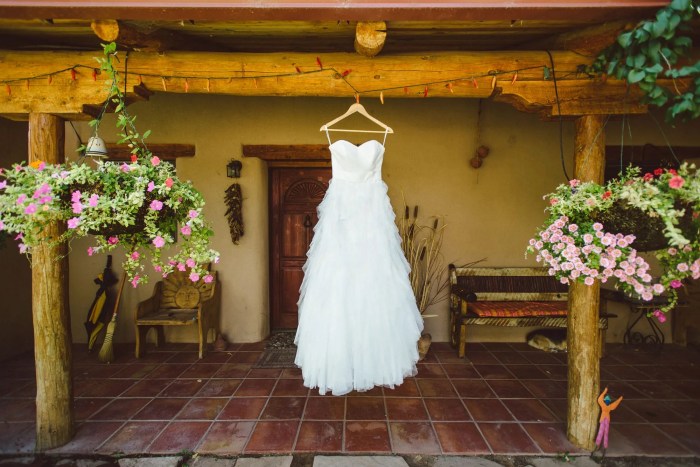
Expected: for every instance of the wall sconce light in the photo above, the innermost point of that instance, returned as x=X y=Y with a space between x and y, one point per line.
x=96 y=148
x=233 y=169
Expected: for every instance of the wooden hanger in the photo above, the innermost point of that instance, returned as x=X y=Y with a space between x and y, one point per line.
x=356 y=108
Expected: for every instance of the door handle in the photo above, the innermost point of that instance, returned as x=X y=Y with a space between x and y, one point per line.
x=307 y=221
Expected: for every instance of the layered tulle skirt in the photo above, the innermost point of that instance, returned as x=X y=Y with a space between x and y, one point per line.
x=358 y=320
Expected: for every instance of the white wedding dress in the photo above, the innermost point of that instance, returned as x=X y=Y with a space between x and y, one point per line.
x=358 y=320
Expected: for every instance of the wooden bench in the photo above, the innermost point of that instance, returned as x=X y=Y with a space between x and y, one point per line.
x=517 y=297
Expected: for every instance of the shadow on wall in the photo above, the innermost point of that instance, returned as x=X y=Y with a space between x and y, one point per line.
x=16 y=333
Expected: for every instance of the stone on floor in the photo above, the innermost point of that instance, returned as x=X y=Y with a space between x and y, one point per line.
x=572 y=461
x=29 y=460
x=83 y=463
x=359 y=461
x=271 y=461
x=459 y=461
x=171 y=461
x=204 y=461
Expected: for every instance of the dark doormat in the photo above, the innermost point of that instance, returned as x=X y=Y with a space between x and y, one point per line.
x=279 y=350
x=277 y=358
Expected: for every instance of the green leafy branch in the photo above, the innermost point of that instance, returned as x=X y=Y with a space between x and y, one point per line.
x=650 y=51
x=125 y=122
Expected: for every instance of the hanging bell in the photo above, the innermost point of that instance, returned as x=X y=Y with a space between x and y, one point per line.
x=96 y=147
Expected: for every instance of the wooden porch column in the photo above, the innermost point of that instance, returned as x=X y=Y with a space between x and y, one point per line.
x=582 y=328
x=51 y=314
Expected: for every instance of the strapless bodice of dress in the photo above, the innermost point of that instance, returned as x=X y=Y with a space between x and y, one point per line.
x=357 y=163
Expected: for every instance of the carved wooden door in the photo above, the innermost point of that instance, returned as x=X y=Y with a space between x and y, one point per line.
x=294 y=195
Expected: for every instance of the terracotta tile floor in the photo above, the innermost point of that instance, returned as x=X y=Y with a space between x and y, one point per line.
x=505 y=399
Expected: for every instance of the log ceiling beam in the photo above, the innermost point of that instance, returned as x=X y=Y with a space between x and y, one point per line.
x=332 y=10
x=515 y=77
x=129 y=37
x=370 y=37
x=147 y=39
x=589 y=41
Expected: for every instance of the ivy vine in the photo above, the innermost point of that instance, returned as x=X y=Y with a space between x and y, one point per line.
x=650 y=51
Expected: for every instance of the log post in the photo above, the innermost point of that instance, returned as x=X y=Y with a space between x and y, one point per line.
x=582 y=327
x=51 y=315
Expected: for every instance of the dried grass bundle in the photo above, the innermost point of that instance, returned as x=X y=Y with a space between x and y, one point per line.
x=421 y=244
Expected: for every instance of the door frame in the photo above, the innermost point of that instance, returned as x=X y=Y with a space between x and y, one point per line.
x=285 y=156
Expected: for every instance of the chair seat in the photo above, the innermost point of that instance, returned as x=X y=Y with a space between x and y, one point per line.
x=177 y=301
x=170 y=317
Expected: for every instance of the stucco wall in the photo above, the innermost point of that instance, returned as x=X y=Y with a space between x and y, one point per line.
x=490 y=213
x=16 y=333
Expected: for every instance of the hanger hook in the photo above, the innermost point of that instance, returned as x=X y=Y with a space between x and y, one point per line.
x=357 y=97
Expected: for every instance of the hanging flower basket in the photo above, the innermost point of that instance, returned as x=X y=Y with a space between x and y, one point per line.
x=140 y=205
x=647 y=229
x=595 y=232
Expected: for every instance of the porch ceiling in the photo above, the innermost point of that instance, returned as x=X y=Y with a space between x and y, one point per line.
x=313 y=26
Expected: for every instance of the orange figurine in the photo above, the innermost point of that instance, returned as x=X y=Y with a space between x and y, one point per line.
x=606 y=406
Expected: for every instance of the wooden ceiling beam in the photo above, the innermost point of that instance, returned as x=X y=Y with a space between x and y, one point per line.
x=516 y=77
x=588 y=41
x=370 y=37
x=576 y=97
x=315 y=10
x=143 y=39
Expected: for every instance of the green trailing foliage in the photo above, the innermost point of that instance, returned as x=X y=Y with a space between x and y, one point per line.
x=650 y=52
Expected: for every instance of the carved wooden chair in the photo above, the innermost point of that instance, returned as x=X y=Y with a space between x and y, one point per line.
x=177 y=301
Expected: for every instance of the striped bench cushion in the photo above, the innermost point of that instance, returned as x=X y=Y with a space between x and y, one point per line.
x=518 y=309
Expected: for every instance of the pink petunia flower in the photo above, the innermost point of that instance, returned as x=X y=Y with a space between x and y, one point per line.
x=169 y=182
x=181 y=266
x=113 y=240
x=208 y=279
x=151 y=186
x=135 y=255
x=77 y=207
x=157 y=268
x=125 y=168
x=156 y=205
x=194 y=277
x=93 y=200
x=574 y=182
x=676 y=182
x=3 y=185
x=155 y=160
x=682 y=267
x=159 y=241
x=31 y=209
x=597 y=226
x=90 y=251
x=190 y=263
x=135 y=281
x=193 y=213
x=75 y=196
x=21 y=198
x=22 y=248
x=73 y=222
x=186 y=230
